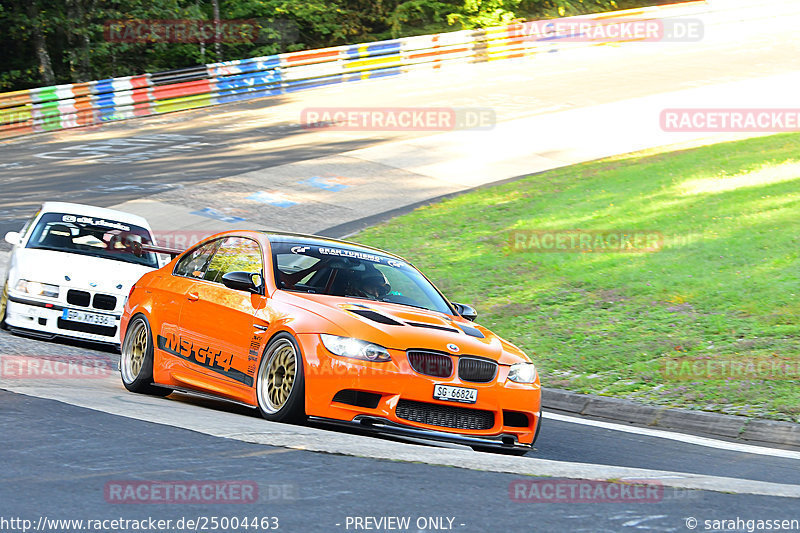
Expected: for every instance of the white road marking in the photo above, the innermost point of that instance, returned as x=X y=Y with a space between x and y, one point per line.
x=680 y=437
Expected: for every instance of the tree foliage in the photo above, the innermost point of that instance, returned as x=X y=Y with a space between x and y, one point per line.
x=63 y=41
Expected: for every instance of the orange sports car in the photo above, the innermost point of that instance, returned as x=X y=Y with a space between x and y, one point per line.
x=305 y=327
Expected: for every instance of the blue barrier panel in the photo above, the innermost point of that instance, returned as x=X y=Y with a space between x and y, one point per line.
x=241 y=66
x=248 y=86
x=374 y=49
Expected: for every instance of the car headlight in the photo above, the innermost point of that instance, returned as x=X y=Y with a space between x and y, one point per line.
x=37 y=289
x=522 y=373
x=355 y=348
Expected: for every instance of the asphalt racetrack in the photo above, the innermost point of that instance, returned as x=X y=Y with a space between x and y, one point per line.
x=66 y=441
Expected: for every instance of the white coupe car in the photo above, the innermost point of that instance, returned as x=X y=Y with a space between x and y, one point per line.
x=70 y=271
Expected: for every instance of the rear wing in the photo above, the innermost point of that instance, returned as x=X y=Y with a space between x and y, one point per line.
x=139 y=249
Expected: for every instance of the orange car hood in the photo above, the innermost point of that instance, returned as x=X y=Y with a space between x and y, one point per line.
x=412 y=331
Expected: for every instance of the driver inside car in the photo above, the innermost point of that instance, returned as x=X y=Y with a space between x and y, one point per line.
x=373 y=284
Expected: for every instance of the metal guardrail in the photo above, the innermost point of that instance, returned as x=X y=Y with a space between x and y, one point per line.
x=82 y=104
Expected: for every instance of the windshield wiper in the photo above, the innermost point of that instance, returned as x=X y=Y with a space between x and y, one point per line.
x=409 y=305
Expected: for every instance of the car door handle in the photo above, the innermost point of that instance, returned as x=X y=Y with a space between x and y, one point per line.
x=192 y=296
x=259 y=326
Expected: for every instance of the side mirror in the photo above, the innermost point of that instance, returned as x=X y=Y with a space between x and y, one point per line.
x=243 y=281
x=12 y=237
x=466 y=311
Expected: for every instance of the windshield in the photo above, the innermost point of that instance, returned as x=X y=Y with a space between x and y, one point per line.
x=352 y=273
x=97 y=237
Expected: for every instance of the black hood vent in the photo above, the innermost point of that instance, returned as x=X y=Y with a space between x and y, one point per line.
x=376 y=317
x=432 y=326
x=469 y=330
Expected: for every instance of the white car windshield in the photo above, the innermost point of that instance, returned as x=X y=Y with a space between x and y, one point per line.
x=98 y=237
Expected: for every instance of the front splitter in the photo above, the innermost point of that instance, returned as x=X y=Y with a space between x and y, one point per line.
x=383 y=426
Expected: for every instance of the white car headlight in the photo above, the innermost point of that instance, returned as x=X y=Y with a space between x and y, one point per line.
x=37 y=289
x=522 y=373
x=355 y=348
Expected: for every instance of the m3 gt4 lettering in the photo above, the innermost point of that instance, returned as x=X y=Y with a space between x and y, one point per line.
x=205 y=356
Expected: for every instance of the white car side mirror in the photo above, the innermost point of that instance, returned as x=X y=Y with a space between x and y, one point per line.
x=12 y=237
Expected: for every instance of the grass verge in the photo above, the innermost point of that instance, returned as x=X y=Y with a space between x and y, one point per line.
x=696 y=324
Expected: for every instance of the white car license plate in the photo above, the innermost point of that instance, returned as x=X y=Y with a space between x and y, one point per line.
x=35 y=312
x=88 y=318
x=455 y=394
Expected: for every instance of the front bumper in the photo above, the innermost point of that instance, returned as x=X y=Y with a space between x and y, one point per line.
x=387 y=427
x=397 y=384
x=45 y=318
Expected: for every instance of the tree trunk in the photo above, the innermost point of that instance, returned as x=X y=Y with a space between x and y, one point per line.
x=45 y=66
x=217 y=37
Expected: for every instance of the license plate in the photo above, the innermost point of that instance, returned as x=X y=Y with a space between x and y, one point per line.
x=455 y=394
x=88 y=318
x=35 y=312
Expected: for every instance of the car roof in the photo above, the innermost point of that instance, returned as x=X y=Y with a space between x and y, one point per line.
x=95 y=212
x=318 y=240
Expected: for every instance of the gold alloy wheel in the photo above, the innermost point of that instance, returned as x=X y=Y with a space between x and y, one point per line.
x=133 y=351
x=3 y=301
x=277 y=376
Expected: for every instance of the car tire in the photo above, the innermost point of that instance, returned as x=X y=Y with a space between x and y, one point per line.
x=136 y=359
x=280 y=381
x=3 y=305
x=538 y=427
